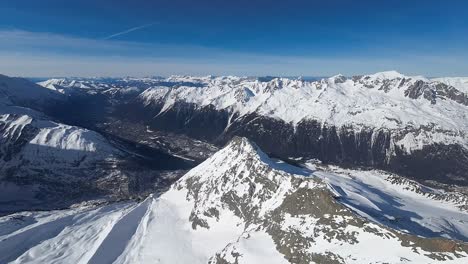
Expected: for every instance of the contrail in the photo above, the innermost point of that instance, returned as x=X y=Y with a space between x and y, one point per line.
x=130 y=30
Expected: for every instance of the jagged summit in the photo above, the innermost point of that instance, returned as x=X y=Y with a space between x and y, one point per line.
x=339 y=78
x=239 y=156
x=243 y=146
x=240 y=161
x=243 y=143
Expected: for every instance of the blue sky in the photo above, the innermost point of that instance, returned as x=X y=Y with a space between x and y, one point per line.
x=288 y=38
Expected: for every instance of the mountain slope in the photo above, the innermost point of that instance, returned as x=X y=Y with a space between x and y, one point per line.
x=239 y=206
x=19 y=91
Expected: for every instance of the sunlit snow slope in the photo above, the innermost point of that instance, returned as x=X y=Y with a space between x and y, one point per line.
x=239 y=206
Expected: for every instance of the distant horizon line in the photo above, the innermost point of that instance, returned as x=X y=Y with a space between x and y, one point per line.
x=308 y=77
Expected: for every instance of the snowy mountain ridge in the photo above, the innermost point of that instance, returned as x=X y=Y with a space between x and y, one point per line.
x=379 y=100
x=51 y=135
x=90 y=85
x=386 y=100
x=57 y=84
x=415 y=111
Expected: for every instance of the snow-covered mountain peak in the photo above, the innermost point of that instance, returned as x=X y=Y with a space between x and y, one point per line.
x=386 y=75
x=54 y=81
x=241 y=178
x=240 y=155
x=55 y=84
x=243 y=145
x=339 y=78
x=291 y=209
x=239 y=148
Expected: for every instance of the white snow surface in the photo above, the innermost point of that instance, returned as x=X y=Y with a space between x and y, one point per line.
x=159 y=229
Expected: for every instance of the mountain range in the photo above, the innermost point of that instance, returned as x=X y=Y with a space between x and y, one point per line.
x=363 y=169
x=409 y=125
